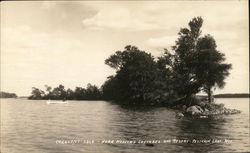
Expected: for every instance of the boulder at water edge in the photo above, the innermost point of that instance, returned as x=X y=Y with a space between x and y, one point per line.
x=194 y=110
x=179 y=115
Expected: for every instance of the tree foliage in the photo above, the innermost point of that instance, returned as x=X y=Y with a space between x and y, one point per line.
x=37 y=93
x=210 y=69
x=197 y=64
x=183 y=61
x=92 y=92
x=135 y=76
x=194 y=64
x=7 y=95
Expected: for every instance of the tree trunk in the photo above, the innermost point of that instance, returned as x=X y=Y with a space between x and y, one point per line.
x=188 y=99
x=209 y=94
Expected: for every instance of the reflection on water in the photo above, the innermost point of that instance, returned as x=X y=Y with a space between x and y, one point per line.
x=34 y=126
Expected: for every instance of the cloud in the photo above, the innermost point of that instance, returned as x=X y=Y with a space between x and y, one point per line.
x=21 y=39
x=163 y=15
x=34 y=58
x=118 y=18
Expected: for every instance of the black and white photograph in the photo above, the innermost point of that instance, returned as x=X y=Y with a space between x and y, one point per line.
x=117 y=76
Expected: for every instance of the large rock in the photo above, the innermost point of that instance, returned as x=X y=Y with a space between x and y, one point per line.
x=194 y=110
x=221 y=111
x=179 y=115
x=213 y=109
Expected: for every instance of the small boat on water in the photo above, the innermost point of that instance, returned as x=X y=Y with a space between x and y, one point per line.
x=56 y=102
x=203 y=116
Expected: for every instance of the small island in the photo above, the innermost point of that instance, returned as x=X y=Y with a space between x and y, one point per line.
x=193 y=64
x=124 y=76
x=7 y=95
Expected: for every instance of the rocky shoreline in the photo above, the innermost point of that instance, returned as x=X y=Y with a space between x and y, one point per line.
x=204 y=110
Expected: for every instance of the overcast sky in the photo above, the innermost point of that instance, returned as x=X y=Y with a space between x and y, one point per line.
x=67 y=42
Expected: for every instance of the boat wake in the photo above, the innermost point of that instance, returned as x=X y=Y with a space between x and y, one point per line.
x=56 y=102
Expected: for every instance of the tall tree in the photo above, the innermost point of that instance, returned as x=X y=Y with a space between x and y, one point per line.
x=135 y=76
x=197 y=64
x=184 y=76
x=210 y=69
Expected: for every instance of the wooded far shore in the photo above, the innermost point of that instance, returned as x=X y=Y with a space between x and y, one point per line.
x=228 y=95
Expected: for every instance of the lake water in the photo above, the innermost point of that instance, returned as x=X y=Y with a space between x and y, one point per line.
x=29 y=126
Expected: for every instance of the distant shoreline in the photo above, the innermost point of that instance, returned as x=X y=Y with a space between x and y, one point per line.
x=7 y=95
x=231 y=95
x=243 y=95
x=215 y=96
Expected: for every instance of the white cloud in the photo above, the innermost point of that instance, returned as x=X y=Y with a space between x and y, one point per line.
x=23 y=40
x=34 y=58
x=163 y=15
x=118 y=18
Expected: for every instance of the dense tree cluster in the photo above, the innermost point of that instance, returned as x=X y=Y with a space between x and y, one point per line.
x=192 y=65
x=135 y=77
x=92 y=92
x=7 y=95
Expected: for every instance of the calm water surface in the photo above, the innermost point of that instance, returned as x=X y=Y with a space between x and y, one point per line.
x=34 y=127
